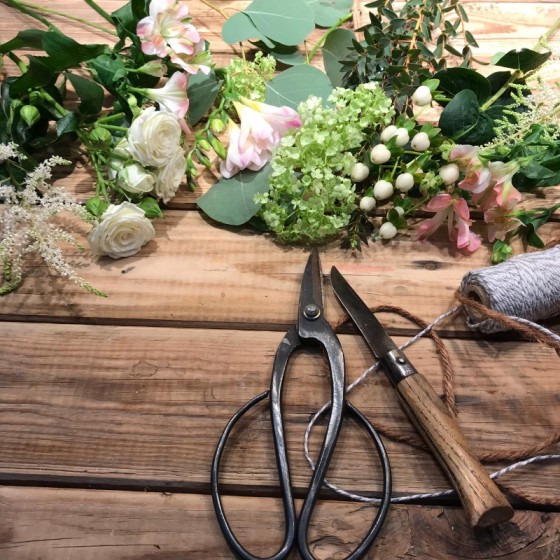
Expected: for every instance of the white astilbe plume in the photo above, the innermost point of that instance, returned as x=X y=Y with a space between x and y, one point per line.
x=26 y=224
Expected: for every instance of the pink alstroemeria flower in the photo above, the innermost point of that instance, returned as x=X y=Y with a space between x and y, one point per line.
x=500 y=222
x=262 y=128
x=172 y=97
x=502 y=173
x=456 y=212
x=168 y=31
x=464 y=155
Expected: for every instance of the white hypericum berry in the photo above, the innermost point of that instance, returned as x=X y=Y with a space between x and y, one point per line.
x=388 y=133
x=404 y=182
x=422 y=96
x=399 y=210
x=402 y=137
x=367 y=204
x=359 y=172
x=382 y=189
x=421 y=142
x=387 y=231
x=449 y=173
x=380 y=154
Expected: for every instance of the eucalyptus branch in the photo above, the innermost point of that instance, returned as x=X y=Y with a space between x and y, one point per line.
x=322 y=40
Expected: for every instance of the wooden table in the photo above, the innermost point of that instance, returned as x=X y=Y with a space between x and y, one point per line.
x=110 y=409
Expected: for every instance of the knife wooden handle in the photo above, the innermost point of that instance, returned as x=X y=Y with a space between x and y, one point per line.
x=483 y=502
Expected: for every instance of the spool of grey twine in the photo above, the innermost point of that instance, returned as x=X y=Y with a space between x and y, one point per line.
x=527 y=287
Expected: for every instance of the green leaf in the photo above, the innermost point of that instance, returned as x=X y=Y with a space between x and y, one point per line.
x=67 y=124
x=27 y=39
x=96 y=206
x=464 y=121
x=454 y=80
x=328 y=12
x=150 y=207
x=231 y=201
x=64 y=52
x=126 y=18
x=523 y=59
x=288 y=22
x=290 y=56
x=91 y=94
x=110 y=71
x=240 y=27
x=39 y=74
x=202 y=92
x=296 y=84
x=337 y=47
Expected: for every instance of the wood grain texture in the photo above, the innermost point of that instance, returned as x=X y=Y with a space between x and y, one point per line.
x=49 y=524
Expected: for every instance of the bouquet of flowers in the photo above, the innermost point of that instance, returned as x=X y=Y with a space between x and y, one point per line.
x=303 y=153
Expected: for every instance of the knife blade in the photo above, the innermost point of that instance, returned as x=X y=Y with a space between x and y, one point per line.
x=483 y=502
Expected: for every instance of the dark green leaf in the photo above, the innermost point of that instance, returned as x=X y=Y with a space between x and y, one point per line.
x=470 y=39
x=523 y=59
x=452 y=50
x=454 y=80
x=296 y=84
x=91 y=94
x=67 y=124
x=109 y=70
x=64 y=52
x=38 y=74
x=231 y=201
x=202 y=92
x=464 y=121
x=337 y=47
x=27 y=39
x=126 y=18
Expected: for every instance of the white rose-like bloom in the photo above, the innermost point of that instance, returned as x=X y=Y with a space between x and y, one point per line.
x=169 y=177
x=122 y=231
x=153 y=136
x=135 y=179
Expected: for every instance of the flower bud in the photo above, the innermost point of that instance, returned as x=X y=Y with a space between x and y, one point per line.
x=380 y=154
x=100 y=136
x=402 y=137
x=388 y=133
x=420 y=142
x=387 y=231
x=152 y=68
x=359 y=172
x=367 y=204
x=30 y=114
x=217 y=126
x=218 y=147
x=449 y=173
x=382 y=189
x=203 y=145
x=422 y=96
x=404 y=182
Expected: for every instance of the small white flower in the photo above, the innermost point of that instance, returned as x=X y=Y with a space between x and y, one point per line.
x=135 y=179
x=422 y=96
x=388 y=133
x=387 y=231
x=122 y=231
x=380 y=154
x=359 y=172
x=169 y=177
x=402 y=137
x=449 y=173
x=420 y=142
x=404 y=182
x=367 y=204
x=153 y=136
x=382 y=189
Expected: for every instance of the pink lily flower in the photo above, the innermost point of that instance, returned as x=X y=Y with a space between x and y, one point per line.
x=172 y=97
x=168 y=31
x=456 y=212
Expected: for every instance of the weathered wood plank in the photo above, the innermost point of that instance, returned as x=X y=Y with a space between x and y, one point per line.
x=145 y=407
x=196 y=273
x=88 y=525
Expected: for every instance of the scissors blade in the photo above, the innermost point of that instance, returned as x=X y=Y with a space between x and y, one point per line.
x=372 y=331
x=311 y=294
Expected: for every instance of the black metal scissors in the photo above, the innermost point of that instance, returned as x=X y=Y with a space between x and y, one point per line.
x=311 y=328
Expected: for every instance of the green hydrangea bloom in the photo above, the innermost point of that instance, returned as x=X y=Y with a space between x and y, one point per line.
x=248 y=78
x=311 y=196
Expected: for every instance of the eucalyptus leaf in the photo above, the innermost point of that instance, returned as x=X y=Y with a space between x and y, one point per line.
x=240 y=27
x=64 y=52
x=288 y=21
x=27 y=39
x=521 y=59
x=337 y=47
x=296 y=84
x=231 y=201
x=90 y=93
x=329 y=12
x=464 y=121
x=454 y=80
x=290 y=56
x=202 y=92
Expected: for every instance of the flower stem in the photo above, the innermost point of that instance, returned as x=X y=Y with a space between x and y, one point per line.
x=114 y=127
x=68 y=16
x=99 y=10
x=322 y=40
x=18 y=6
x=215 y=8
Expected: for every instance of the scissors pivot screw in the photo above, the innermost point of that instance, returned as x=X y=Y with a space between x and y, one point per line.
x=311 y=311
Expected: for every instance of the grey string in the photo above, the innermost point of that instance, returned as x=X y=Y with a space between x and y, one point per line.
x=374 y=367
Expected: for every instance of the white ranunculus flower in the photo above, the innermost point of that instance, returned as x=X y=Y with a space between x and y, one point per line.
x=169 y=177
x=135 y=179
x=121 y=232
x=152 y=136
